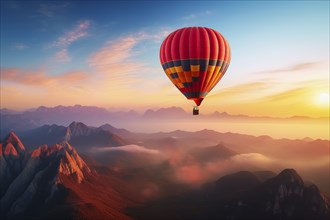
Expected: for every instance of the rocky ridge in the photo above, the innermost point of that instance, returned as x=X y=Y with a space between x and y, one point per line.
x=36 y=175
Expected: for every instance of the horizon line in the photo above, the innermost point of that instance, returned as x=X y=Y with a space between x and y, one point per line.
x=143 y=112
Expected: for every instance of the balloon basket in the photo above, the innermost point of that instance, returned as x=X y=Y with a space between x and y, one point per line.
x=195 y=110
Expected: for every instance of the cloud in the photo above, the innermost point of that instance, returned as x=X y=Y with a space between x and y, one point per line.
x=64 y=41
x=129 y=148
x=118 y=61
x=288 y=94
x=39 y=77
x=20 y=46
x=304 y=92
x=196 y=172
x=250 y=158
x=114 y=52
x=113 y=76
x=293 y=68
x=121 y=50
x=115 y=61
x=160 y=36
x=190 y=16
x=241 y=89
x=78 y=32
x=62 y=56
x=191 y=174
x=197 y=15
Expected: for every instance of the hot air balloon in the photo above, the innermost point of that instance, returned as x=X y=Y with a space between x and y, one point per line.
x=195 y=59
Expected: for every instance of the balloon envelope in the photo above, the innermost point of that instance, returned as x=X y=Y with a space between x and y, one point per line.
x=195 y=59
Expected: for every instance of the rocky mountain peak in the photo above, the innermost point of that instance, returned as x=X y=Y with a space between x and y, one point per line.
x=286 y=185
x=290 y=176
x=75 y=125
x=76 y=129
x=42 y=151
x=287 y=195
x=69 y=162
x=42 y=170
x=9 y=149
x=12 y=144
x=72 y=163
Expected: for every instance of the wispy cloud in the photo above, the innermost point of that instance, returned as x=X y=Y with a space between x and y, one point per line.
x=114 y=52
x=288 y=94
x=129 y=148
x=78 y=32
x=20 y=46
x=249 y=158
x=62 y=56
x=116 y=74
x=241 y=89
x=197 y=15
x=190 y=16
x=39 y=77
x=195 y=172
x=117 y=59
x=155 y=36
x=304 y=91
x=121 y=50
x=293 y=68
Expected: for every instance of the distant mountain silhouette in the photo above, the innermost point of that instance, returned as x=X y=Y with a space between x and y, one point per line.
x=6 y=111
x=85 y=137
x=54 y=182
x=46 y=134
x=96 y=116
x=248 y=143
x=172 y=112
x=118 y=131
x=165 y=144
x=77 y=134
x=212 y=153
x=243 y=196
x=61 y=115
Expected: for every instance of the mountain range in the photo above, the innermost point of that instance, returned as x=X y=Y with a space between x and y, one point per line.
x=96 y=116
x=78 y=134
x=201 y=150
x=85 y=137
x=53 y=180
x=205 y=146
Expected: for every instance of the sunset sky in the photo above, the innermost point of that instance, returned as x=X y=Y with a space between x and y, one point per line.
x=106 y=53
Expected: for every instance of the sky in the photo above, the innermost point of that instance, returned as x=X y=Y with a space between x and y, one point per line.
x=106 y=53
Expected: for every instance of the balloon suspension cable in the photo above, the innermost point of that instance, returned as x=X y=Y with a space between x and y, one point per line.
x=195 y=110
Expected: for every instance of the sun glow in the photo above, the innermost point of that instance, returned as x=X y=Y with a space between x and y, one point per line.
x=323 y=99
